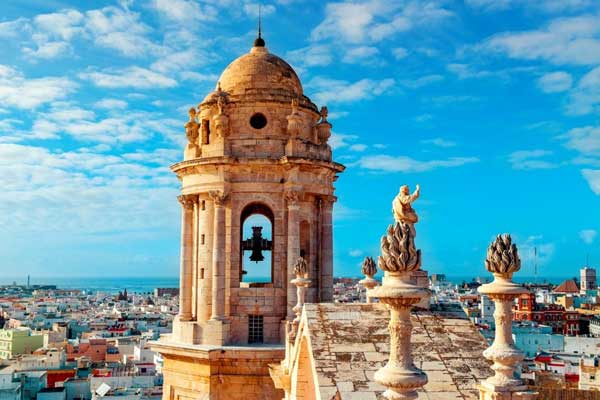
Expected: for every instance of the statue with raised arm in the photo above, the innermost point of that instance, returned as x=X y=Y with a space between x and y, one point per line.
x=403 y=211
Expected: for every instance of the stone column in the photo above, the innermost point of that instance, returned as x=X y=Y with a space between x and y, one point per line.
x=218 y=260
x=398 y=259
x=293 y=246
x=327 y=249
x=503 y=260
x=187 y=249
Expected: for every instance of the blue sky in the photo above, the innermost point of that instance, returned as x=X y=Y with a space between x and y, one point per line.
x=492 y=106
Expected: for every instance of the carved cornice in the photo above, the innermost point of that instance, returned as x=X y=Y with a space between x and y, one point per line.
x=187 y=201
x=190 y=167
x=218 y=197
x=292 y=196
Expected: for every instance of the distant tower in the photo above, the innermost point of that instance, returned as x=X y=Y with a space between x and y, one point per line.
x=28 y=282
x=588 y=278
x=257 y=148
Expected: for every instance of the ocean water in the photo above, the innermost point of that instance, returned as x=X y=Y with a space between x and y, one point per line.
x=101 y=284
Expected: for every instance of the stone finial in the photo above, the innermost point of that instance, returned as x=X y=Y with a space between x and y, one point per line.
x=323 y=127
x=503 y=260
x=503 y=256
x=294 y=127
x=368 y=267
x=300 y=268
x=301 y=282
x=398 y=251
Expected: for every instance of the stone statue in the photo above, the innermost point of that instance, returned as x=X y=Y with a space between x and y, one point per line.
x=191 y=127
x=221 y=121
x=324 y=113
x=192 y=150
x=402 y=209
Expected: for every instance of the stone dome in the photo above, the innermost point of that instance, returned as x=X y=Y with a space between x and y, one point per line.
x=260 y=70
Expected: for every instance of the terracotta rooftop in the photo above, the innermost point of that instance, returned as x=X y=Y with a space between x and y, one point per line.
x=350 y=342
x=568 y=286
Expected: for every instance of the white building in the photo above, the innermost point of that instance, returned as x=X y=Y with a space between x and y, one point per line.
x=588 y=279
x=533 y=339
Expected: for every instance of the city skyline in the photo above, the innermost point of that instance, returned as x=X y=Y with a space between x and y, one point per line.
x=487 y=105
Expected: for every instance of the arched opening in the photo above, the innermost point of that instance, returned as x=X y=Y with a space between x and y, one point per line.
x=256 y=247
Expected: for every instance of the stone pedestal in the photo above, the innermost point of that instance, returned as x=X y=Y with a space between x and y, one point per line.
x=193 y=372
x=368 y=283
x=504 y=385
x=400 y=375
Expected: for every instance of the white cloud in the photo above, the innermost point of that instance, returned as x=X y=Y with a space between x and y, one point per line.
x=530 y=159
x=64 y=25
x=565 y=41
x=588 y=235
x=466 y=71
x=339 y=140
x=592 y=176
x=311 y=56
x=535 y=244
x=554 y=82
x=178 y=60
x=133 y=77
x=421 y=81
x=375 y=20
x=399 y=53
x=198 y=77
x=111 y=104
x=439 y=142
x=185 y=10
x=361 y=55
x=359 y=147
x=12 y=29
x=386 y=163
x=585 y=140
x=17 y=91
x=585 y=97
x=330 y=91
x=120 y=29
x=82 y=192
x=355 y=253
x=47 y=50
x=543 y=5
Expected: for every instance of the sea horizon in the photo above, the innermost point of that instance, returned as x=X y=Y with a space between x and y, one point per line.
x=147 y=284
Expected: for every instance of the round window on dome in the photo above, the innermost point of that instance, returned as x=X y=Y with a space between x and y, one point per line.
x=258 y=121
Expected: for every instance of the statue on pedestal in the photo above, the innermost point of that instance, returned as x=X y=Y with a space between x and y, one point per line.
x=401 y=206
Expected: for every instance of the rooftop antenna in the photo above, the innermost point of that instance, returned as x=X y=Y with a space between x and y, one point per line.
x=535 y=264
x=587 y=260
x=259 y=42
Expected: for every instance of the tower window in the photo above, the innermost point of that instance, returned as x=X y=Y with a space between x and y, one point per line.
x=258 y=121
x=202 y=239
x=255 y=329
x=205 y=131
x=203 y=205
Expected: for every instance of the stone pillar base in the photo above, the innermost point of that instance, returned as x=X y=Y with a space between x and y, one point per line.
x=193 y=372
x=186 y=332
x=215 y=332
x=488 y=391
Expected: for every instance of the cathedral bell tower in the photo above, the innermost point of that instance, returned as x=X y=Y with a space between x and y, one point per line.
x=257 y=192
